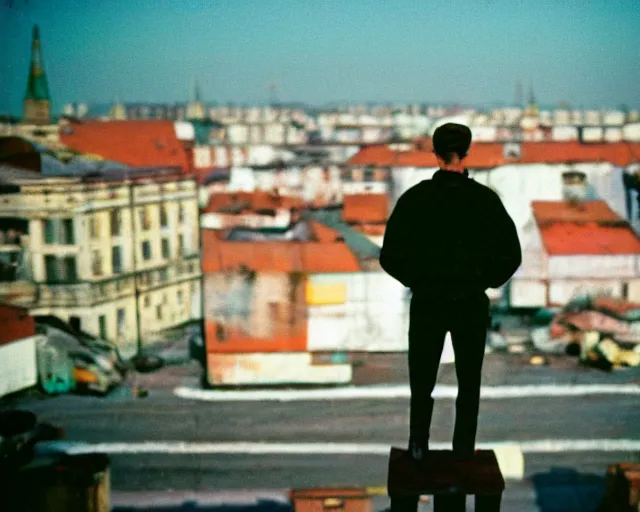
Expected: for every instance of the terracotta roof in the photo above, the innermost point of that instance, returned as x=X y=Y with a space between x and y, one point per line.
x=321 y=257
x=365 y=208
x=322 y=233
x=547 y=212
x=149 y=143
x=618 y=153
x=374 y=155
x=16 y=323
x=568 y=238
x=252 y=200
x=490 y=154
x=371 y=229
x=311 y=257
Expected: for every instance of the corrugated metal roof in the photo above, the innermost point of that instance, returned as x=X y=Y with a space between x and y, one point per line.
x=568 y=238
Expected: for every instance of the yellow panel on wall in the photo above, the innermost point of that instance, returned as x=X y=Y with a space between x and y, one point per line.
x=326 y=293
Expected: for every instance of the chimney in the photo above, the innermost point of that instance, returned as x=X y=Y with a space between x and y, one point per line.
x=574 y=187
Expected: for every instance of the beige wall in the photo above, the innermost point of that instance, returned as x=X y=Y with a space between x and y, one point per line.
x=160 y=280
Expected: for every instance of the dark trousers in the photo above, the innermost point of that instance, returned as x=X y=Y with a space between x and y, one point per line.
x=467 y=319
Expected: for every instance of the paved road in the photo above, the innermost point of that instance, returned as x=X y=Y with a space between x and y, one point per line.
x=165 y=417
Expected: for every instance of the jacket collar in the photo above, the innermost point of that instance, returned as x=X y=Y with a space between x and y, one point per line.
x=443 y=174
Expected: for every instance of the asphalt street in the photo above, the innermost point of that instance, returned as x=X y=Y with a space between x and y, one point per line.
x=163 y=417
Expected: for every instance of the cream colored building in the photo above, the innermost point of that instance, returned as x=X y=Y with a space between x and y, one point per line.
x=121 y=255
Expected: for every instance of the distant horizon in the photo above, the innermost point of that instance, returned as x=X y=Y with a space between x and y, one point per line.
x=320 y=53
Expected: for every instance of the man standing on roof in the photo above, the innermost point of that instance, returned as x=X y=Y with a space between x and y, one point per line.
x=448 y=239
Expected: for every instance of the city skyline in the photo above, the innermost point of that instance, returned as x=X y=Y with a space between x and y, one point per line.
x=325 y=53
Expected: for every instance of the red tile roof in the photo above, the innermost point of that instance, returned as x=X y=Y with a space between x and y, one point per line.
x=253 y=200
x=151 y=143
x=365 y=208
x=311 y=257
x=322 y=233
x=567 y=238
x=371 y=229
x=547 y=212
x=490 y=154
x=321 y=257
x=618 y=153
x=16 y=324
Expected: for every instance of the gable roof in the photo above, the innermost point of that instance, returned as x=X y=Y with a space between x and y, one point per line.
x=148 y=143
x=599 y=212
x=568 y=238
x=486 y=155
x=308 y=257
x=365 y=208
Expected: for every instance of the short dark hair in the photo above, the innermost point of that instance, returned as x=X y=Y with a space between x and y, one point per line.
x=451 y=139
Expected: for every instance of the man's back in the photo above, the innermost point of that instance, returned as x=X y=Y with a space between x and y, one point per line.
x=450 y=236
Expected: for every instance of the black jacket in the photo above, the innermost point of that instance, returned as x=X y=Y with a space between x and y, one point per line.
x=450 y=236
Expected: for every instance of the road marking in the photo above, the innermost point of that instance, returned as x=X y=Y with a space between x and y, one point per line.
x=253 y=448
x=402 y=391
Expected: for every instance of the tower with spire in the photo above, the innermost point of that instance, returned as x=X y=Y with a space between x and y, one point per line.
x=532 y=109
x=195 y=107
x=37 y=102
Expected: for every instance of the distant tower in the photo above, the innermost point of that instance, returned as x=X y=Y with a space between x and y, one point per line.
x=118 y=111
x=37 y=103
x=518 y=98
x=195 y=108
x=532 y=108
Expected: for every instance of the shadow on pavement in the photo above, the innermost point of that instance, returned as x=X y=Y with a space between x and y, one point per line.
x=193 y=506
x=566 y=490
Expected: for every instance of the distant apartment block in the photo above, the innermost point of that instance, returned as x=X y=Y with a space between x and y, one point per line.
x=119 y=254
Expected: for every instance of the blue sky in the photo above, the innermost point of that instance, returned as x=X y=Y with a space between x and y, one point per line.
x=473 y=52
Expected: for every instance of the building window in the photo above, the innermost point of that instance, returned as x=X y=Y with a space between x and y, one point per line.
x=116 y=259
x=60 y=270
x=146 y=250
x=51 y=266
x=49 y=231
x=146 y=301
x=165 y=248
x=69 y=269
x=122 y=318
x=67 y=232
x=96 y=263
x=164 y=218
x=181 y=250
x=59 y=231
x=180 y=297
x=145 y=217
x=102 y=323
x=180 y=213
x=159 y=312
x=115 y=220
x=94 y=226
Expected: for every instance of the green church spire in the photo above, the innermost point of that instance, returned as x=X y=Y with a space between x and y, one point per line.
x=37 y=87
x=37 y=103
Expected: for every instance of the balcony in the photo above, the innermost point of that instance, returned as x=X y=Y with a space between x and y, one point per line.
x=186 y=268
x=84 y=294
